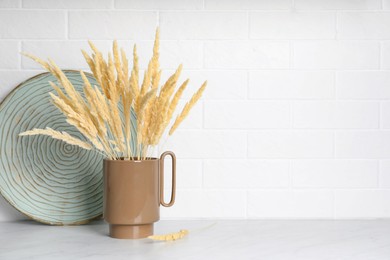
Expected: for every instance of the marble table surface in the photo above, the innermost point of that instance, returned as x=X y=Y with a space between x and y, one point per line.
x=208 y=239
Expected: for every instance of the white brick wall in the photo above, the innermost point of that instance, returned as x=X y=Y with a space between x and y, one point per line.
x=295 y=121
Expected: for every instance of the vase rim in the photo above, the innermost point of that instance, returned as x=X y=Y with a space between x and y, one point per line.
x=122 y=160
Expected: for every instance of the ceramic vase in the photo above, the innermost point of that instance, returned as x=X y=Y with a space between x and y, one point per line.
x=133 y=193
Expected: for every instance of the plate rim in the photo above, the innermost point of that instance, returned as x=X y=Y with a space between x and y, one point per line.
x=52 y=223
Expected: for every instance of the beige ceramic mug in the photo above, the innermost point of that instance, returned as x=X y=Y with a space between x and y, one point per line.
x=133 y=193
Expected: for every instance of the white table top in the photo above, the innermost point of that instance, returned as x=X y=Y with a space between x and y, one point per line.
x=208 y=239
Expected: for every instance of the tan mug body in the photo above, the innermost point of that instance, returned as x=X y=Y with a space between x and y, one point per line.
x=133 y=192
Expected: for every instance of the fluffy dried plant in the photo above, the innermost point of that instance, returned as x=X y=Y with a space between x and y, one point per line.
x=103 y=113
x=171 y=236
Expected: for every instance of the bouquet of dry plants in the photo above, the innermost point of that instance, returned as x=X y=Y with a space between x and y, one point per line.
x=103 y=113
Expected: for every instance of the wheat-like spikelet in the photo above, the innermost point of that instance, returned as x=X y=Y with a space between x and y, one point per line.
x=145 y=84
x=169 y=86
x=114 y=95
x=99 y=108
x=163 y=106
x=43 y=63
x=105 y=81
x=89 y=61
x=100 y=67
x=160 y=126
x=144 y=102
x=125 y=66
x=63 y=136
x=118 y=67
x=57 y=72
x=171 y=236
x=85 y=130
x=167 y=111
x=116 y=124
x=94 y=108
x=134 y=85
x=156 y=74
x=176 y=98
x=159 y=110
x=61 y=94
x=127 y=101
x=66 y=109
x=74 y=96
x=147 y=121
x=102 y=104
x=156 y=80
x=187 y=108
x=103 y=108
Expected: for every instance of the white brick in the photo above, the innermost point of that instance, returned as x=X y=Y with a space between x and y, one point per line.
x=188 y=53
x=203 y=25
x=363 y=84
x=288 y=25
x=208 y=144
x=207 y=204
x=66 y=54
x=385 y=51
x=362 y=204
x=9 y=3
x=284 y=84
x=247 y=55
x=335 y=173
x=336 y=55
x=363 y=144
x=188 y=173
x=9 y=55
x=290 y=204
x=248 y=5
x=385 y=114
x=10 y=79
x=290 y=144
x=384 y=174
x=247 y=114
x=65 y=4
x=172 y=54
x=221 y=85
x=338 y=4
x=335 y=114
x=159 y=5
x=32 y=24
x=363 y=25
x=112 y=25
x=245 y=173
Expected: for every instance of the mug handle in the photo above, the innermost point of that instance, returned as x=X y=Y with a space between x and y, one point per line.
x=173 y=192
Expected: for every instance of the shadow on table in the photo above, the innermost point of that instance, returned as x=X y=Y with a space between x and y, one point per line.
x=97 y=226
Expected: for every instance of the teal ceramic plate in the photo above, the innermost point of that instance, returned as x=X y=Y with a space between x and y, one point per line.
x=46 y=179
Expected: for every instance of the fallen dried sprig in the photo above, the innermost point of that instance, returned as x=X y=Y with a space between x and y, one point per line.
x=171 y=236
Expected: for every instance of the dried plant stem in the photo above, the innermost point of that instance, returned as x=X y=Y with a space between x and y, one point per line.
x=187 y=108
x=63 y=136
x=104 y=113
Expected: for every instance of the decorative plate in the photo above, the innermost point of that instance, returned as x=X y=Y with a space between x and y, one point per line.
x=46 y=179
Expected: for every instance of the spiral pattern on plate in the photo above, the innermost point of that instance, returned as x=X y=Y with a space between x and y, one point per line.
x=47 y=179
